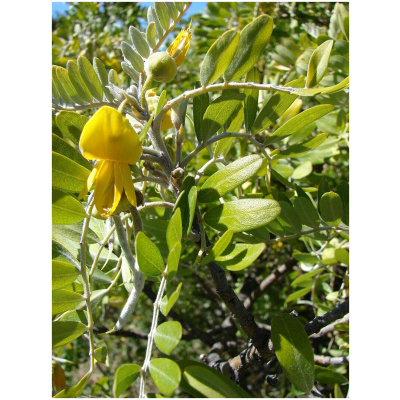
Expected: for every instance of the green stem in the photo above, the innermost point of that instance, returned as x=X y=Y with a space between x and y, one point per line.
x=86 y=285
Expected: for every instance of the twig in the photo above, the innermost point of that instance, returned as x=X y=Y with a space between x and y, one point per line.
x=325 y=360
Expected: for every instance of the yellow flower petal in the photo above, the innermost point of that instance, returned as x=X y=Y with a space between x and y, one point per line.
x=89 y=182
x=118 y=186
x=180 y=46
x=109 y=136
x=128 y=184
x=104 y=189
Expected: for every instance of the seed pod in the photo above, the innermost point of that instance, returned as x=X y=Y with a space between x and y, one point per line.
x=161 y=67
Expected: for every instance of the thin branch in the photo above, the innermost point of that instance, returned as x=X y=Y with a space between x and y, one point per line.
x=326 y=361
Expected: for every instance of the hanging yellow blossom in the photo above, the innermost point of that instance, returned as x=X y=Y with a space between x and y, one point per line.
x=109 y=138
x=152 y=101
x=180 y=46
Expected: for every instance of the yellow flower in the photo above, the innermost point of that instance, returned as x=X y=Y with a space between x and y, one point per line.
x=180 y=46
x=109 y=138
x=152 y=101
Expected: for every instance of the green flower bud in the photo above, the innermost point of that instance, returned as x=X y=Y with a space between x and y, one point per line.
x=161 y=67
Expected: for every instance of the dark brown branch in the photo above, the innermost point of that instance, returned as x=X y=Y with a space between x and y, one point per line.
x=319 y=322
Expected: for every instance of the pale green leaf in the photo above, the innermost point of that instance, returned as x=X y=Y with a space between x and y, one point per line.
x=77 y=81
x=174 y=229
x=218 y=57
x=170 y=299
x=299 y=122
x=66 y=332
x=148 y=256
x=90 y=78
x=71 y=124
x=166 y=375
x=64 y=300
x=138 y=41
x=66 y=209
x=132 y=56
x=162 y=13
x=318 y=63
x=63 y=274
x=167 y=336
x=303 y=148
x=230 y=177
x=239 y=256
x=253 y=40
x=124 y=377
x=242 y=215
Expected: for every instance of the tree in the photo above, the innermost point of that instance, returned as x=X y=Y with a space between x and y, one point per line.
x=201 y=201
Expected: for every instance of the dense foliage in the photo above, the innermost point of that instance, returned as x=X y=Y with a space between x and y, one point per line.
x=231 y=252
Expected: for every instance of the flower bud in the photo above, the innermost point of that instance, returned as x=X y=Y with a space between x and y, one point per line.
x=161 y=67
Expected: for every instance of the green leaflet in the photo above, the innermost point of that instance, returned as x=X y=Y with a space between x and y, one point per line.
x=67 y=174
x=275 y=107
x=200 y=104
x=242 y=215
x=60 y=146
x=288 y=218
x=218 y=247
x=64 y=300
x=173 y=260
x=329 y=377
x=167 y=336
x=124 y=377
x=229 y=178
x=75 y=391
x=251 y=101
x=60 y=89
x=199 y=380
x=344 y=84
x=138 y=41
x=174 y=229
x=331 y=208
x=77 y=81
x=103 y=76
x=66 y=209
x=129 y=70
x=151 y=34
x=152 y=17
x=219 y=111
x=299 y=122
x=162 y=13
x=253 y=39
x=170 y=299
x=71 y=124
x=293 y=350
x=90 y=78
x=132 y=56
x=306 y=212
x=239 y=256
x=318 y=63
x=303 y=148
x=148 y=256
x=166 y=375
x=66 y=332
x=62 y=76
x=63 y=274
x=218 y=57
x=343 y=191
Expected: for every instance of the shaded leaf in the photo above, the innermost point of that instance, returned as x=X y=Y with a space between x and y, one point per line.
x=173 y=260
x=200 y=104
x=293 y=350
x=218 y=247
x=288 y=218
x=328 y=376
x=306 y=212
x=199 y=380
x=275 y=107
x=343 y=191
x=219 y=111
x=331 y=208
x=251 y=101
x=174 y=229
